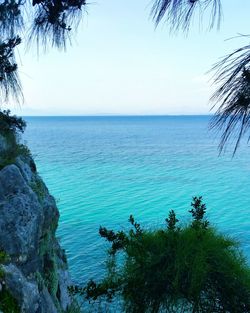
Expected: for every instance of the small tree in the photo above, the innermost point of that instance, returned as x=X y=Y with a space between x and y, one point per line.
x=192 y=268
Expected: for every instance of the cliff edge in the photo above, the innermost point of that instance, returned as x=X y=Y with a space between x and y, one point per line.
x=34 y=274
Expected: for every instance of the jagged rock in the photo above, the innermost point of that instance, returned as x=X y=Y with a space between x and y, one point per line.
x=64 y=281
x=36 y=273
x=47 y=304
x=21 y=214
x=25 y=168
x=26 y=293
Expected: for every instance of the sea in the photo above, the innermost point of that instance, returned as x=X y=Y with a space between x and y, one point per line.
x=101 y=169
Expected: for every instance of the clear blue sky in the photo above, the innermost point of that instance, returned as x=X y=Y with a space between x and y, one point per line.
x=120 y=64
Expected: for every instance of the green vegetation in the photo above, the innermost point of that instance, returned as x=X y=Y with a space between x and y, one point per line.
x=11 y=123
x=39 y=188
x=44 y=243
x=7 y=303
x=1 y=272
x=39 y=279
x=9 y=156
x=3 y=259
x=10 y=128
x=51 y=277
x=191 y=268
x=74 y=308
x=50 y=23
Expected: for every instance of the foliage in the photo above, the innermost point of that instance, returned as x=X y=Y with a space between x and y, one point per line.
x=47 y=22
x=231 y=74
x=54 y=20
x=171 y=220
x=74 y=308
x=3 y=257
x=50 y=273
x=179 y=13
x=198 y=211
x=191 y=268
x=11 y=123
x=39 y=279
x=9 y=156
x=8 y=304
x=9 y=78
x=232 y=115
x=39 y=189
x=10 y=127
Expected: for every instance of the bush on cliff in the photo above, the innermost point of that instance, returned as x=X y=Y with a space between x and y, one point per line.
x=10 y=128
x=192 y=268
x=11 y=123
x=7 y=303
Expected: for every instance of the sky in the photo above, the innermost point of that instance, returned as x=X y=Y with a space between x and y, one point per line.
x=119 y=63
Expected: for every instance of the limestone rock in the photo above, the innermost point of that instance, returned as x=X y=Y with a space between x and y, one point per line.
x=36 y=273
x=21 y=214
x=26 y=293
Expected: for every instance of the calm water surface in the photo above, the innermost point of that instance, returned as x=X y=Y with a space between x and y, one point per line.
x=102 y=169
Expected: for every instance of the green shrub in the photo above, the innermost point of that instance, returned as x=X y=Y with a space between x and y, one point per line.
x=11 y=123
x=3 y=257
x=7 y=303
x=9 y=156
x=39 y=188
x=192 y=268
x=10 y=127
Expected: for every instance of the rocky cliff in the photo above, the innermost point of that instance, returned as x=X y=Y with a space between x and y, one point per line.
x=33 y=267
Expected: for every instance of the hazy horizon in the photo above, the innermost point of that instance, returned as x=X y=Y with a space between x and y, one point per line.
x=117 y=115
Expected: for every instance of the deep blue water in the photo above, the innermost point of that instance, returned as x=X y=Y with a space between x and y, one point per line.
x=102 y=169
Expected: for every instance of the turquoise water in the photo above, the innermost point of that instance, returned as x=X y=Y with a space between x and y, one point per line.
x=102 y=169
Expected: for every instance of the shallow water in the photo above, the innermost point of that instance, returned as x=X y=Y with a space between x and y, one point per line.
x=102 y=169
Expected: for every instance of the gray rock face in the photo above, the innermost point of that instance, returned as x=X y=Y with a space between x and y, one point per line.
x=20 y=214
x=25 y=292
x=36 y=273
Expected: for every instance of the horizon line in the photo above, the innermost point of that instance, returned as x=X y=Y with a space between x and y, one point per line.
x=117 y=115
